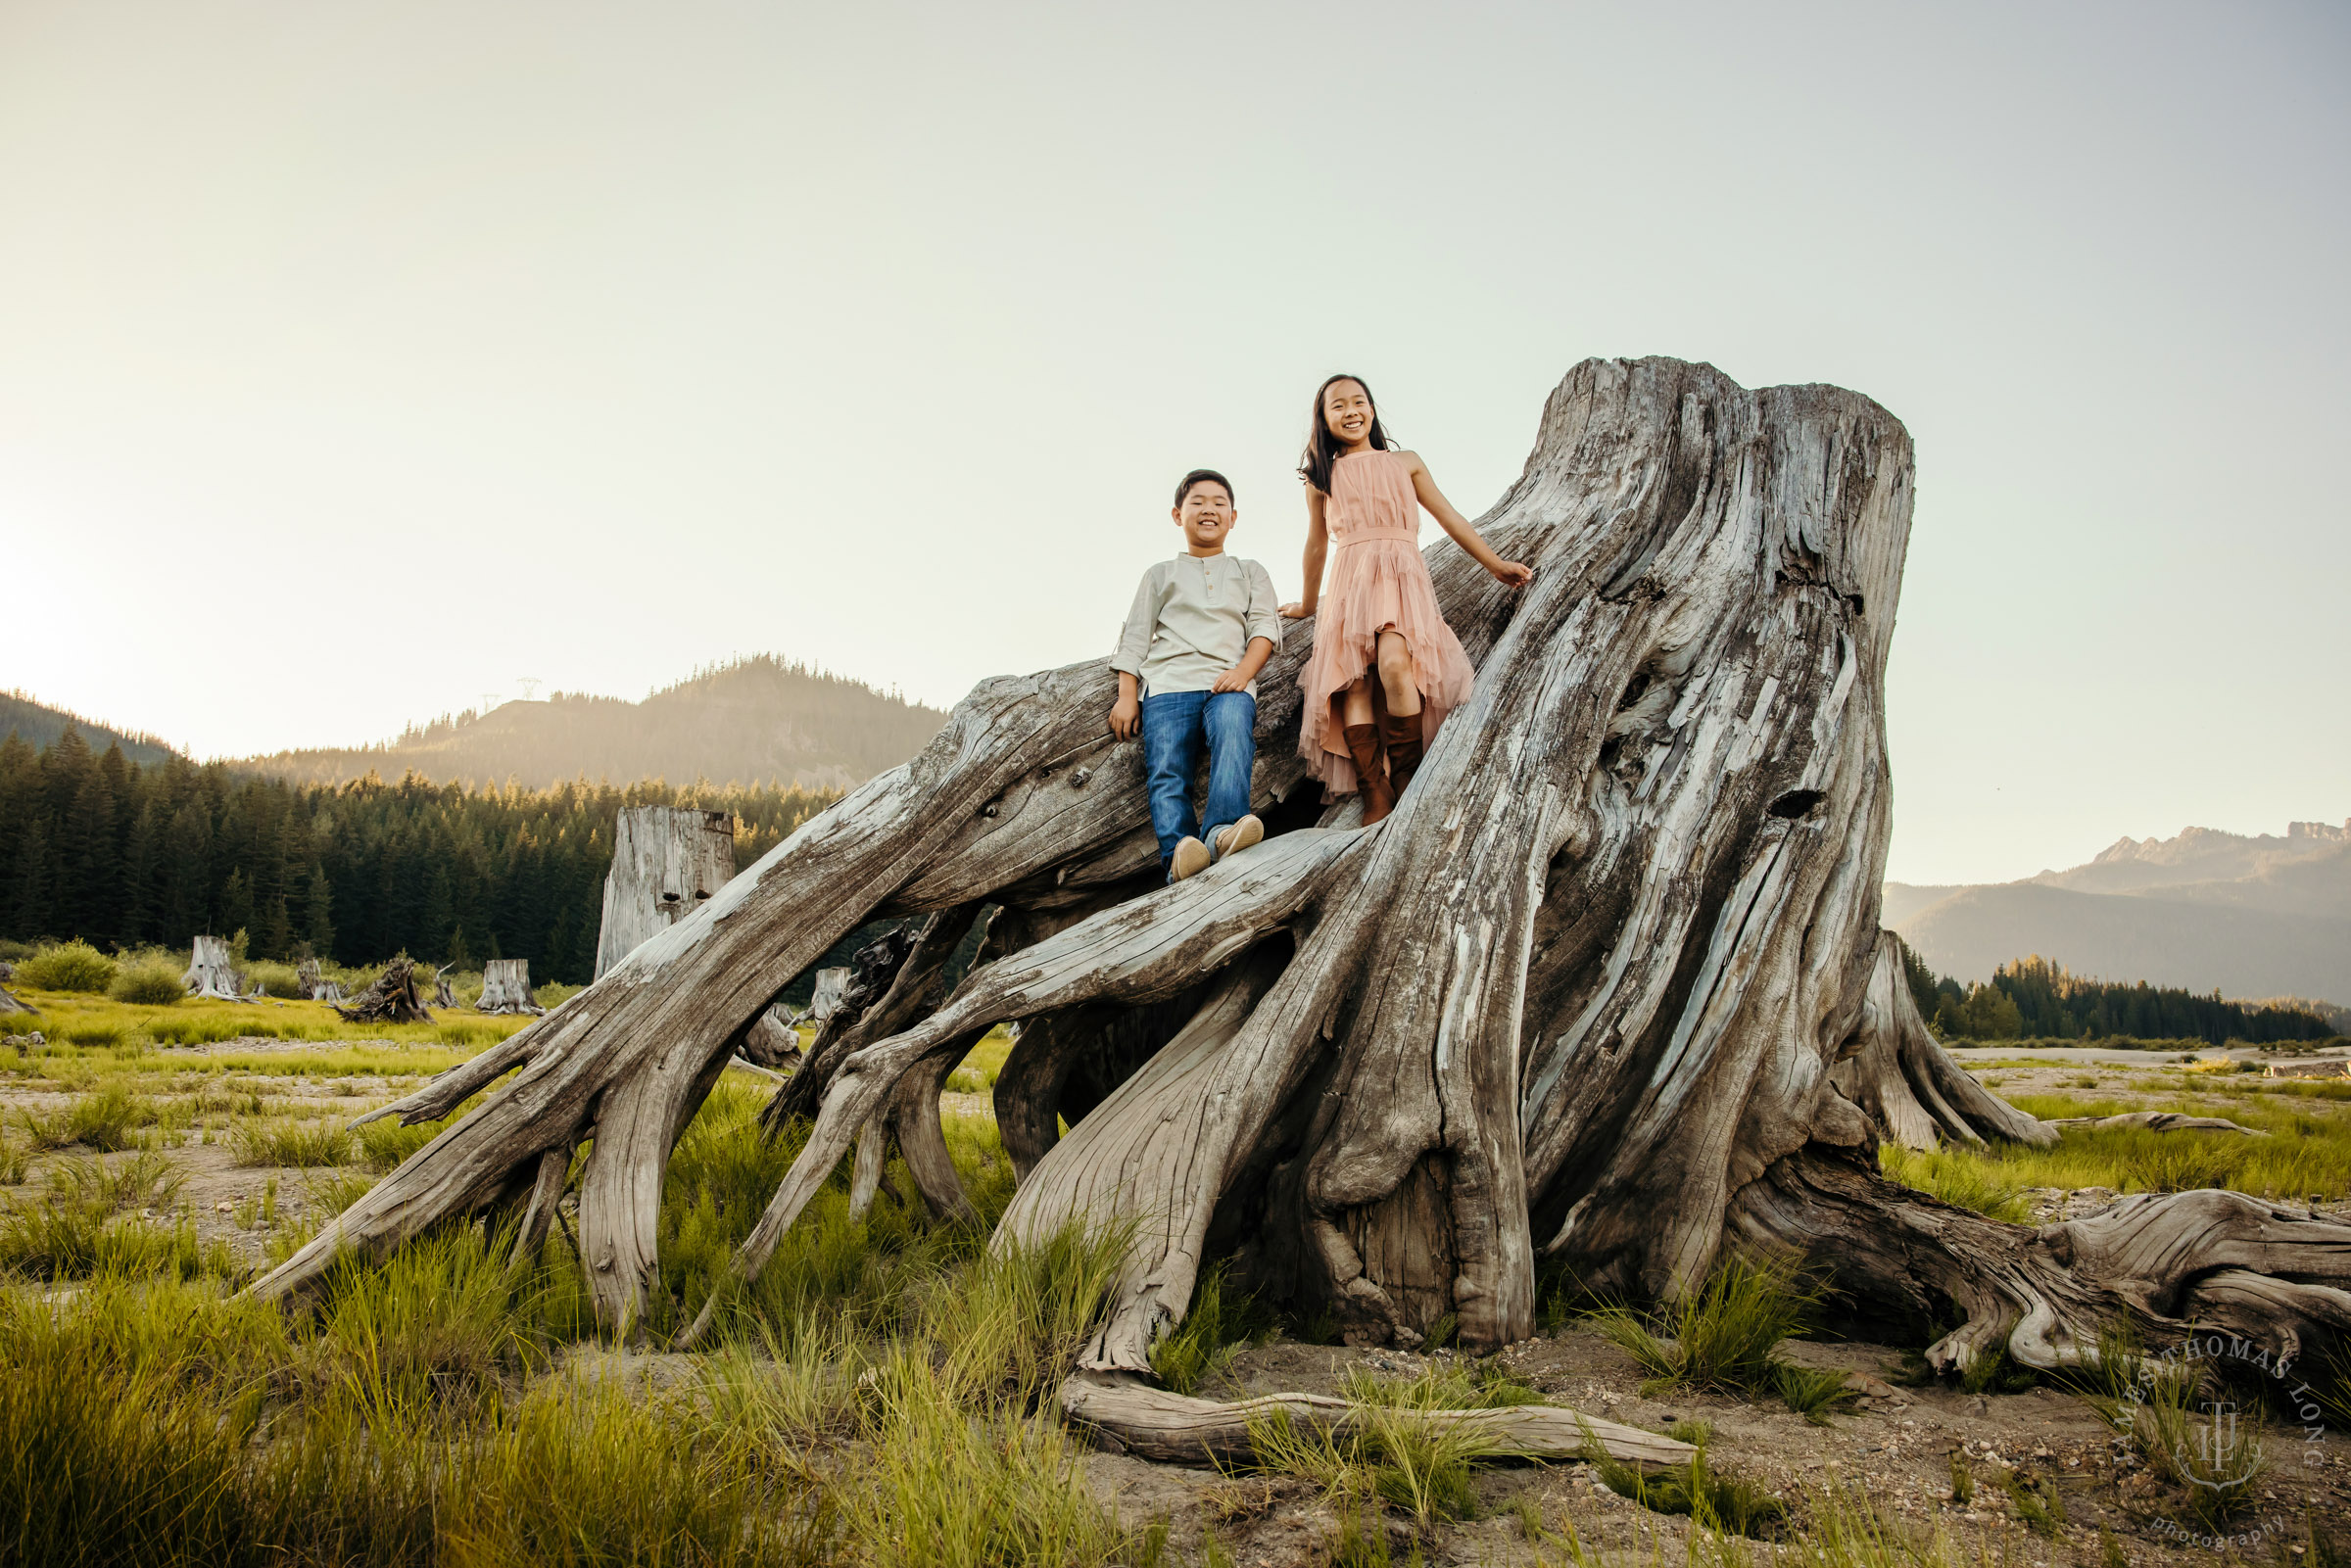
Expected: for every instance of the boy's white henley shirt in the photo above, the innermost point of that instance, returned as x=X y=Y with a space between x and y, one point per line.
x=1192 y=619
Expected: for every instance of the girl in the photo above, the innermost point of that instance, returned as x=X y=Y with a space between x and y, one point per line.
x=1382 y=613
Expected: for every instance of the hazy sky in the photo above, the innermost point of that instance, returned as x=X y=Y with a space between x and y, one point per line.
x=357 y=361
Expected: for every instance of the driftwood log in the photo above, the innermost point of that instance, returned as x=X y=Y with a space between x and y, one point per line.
x=2155 y=1121
x=667 y=863
x=1154 y=1424
x=506 y=987
x=394 y=998
x=209 y=972
x=9 y=1003
x=772 y=1042
x=1607 y=991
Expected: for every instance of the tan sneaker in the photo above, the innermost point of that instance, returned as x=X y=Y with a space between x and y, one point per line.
x=1191 y=859
x=1246 y=833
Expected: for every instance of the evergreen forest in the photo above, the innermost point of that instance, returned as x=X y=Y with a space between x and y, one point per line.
x=121 y=853
x=2032 y=998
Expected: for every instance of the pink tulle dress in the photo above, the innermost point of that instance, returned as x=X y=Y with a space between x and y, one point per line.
x=1376 y=581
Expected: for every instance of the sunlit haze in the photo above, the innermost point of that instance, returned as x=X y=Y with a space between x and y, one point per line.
x=358 y=360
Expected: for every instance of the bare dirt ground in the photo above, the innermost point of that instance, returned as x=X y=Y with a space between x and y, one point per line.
x=1898 y=1450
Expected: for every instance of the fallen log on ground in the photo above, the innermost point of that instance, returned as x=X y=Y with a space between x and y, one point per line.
x=2155 y=1121
x=1175 y=1429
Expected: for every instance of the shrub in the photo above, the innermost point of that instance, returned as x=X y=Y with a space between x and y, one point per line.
x=73 y=966
x=277 y=980
x=149 y=982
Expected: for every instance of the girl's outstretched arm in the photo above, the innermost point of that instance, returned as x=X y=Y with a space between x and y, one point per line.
x=1424 y=486
x=1317 y=545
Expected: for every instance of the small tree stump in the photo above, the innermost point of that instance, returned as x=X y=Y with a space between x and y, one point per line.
x=506 y=987
x=392 y=999
x=313 y=986
x=442 y=996
x=667 y=860
x=9 y=1004
x=209 y=974
x=831 y=986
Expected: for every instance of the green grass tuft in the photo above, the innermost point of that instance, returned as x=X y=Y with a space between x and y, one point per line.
x=1219 y=1326
x=1725 y=1334
x=301 y=1144
x=1815 y=1392
x=1697 y=1489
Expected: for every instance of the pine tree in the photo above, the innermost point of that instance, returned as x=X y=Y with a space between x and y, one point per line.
x=187 y=873
x=28 y=884
x=317 y=910
x=139 y=855
x=277 y=938
x=236 y=902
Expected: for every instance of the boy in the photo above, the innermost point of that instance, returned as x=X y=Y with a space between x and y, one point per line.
x=1201 y=626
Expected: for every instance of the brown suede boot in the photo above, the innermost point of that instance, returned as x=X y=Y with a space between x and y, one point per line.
x=1401 y=738
x=1370 y=771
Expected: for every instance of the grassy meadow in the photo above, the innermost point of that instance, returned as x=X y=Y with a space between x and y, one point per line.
x=882 y=1395
x=2305 y=1156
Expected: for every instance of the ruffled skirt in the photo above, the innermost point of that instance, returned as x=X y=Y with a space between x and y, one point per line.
x=1375 y=585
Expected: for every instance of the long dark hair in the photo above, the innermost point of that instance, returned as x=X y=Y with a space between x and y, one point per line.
x=1323 y=449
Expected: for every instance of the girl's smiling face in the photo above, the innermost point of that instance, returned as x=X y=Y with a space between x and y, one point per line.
x=1346 y=410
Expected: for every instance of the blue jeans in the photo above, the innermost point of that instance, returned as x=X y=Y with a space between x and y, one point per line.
x=1175 y=723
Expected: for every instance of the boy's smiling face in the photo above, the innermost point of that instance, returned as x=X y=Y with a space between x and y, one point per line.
x=1206 y=516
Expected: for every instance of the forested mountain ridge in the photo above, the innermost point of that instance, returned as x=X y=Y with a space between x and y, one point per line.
x=96 y=846
x=41 y=725
x=758 y=721
x=2246 y=914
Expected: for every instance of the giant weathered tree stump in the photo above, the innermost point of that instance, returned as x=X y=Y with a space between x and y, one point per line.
x=667 y=862
x=211 y=974
x=1609 y=987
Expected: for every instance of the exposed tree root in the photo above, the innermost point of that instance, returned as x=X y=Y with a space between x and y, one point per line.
x=2159 y=1263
